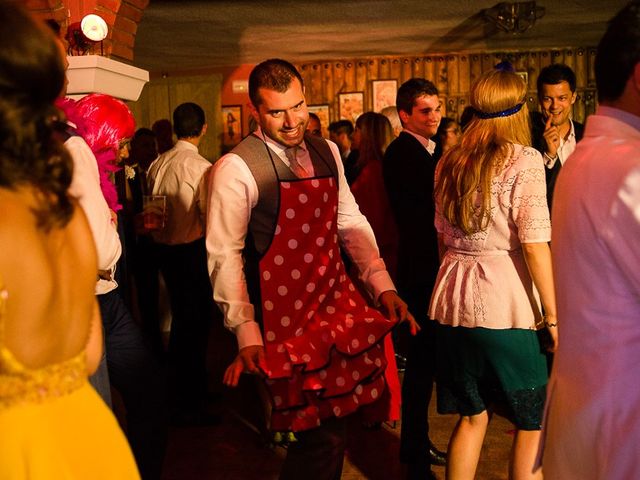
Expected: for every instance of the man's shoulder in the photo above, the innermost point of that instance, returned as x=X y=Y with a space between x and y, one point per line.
x=405 y=144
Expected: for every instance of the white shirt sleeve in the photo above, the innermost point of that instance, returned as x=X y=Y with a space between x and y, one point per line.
x=233 y=193
x=85 y=187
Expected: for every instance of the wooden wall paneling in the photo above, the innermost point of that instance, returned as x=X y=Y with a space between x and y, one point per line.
x=307 y=75
x=475 y=67
x=395 y=69
x=570 y=58
x=579 y=106
x=317 y=84
x=463 y=102
x=339 y=69
x=430 y=69
x=349 y=77
x=557 y=56
x=453 y=74
x=581 y=67
x=590 y=101
x=328 y=69
x=545 y=58
x=362 y=76
x=418 y=68
x=532 y=102
x=591 y=67
x=533 y=69
x=405 y=69
x=441 y=74
x=384 y=68
x=464 y=73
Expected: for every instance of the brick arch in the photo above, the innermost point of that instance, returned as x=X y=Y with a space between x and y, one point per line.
x=122 y=17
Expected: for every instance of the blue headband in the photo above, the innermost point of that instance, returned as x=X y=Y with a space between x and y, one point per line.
x=504 y=113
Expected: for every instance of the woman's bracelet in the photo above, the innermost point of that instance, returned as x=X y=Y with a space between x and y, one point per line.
x=549 y=324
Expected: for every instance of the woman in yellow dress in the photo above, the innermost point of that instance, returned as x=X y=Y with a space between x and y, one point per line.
x=52 y=423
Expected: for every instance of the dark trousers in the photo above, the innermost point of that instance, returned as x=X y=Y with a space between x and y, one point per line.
x=417 y=387
x=139 y=378
x=145 y=274
x=184 y=268
x=318 y=454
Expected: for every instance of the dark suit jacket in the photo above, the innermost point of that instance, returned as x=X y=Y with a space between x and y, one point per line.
x=408 y=172
x=537 y=139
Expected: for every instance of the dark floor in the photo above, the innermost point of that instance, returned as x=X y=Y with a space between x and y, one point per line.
x=236 y=449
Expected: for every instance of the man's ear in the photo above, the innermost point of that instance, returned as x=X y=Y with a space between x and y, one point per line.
x=404 y=116
x=254 y=112
x=204 y=130
x=573 y=98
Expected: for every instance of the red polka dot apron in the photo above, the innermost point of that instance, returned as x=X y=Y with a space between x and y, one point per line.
x=323 y=344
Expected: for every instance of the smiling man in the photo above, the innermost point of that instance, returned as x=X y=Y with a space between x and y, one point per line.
x=408 y=169
x=279 y=211
x=554 y=134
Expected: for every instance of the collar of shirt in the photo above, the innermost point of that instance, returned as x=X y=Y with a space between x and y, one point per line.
x=626 y=117
x=184 y=145
x=565 y=149
x=427 y=143
x=303 y=157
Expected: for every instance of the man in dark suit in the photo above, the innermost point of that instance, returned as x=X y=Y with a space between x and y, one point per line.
x=408 y=169
x=553 y=133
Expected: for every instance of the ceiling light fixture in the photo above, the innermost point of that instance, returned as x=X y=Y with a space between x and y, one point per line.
x=514 y=18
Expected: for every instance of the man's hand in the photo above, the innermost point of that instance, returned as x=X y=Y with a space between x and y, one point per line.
x=396 y=309
x=249 y=360
x=552 y=138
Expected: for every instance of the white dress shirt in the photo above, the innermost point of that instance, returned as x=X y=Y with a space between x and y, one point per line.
x=180 y=174
x=566 y=148
x=427 y=143
x=233 y=193
x=85 y=187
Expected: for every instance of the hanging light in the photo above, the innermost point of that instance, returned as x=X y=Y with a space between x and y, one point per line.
x=82 y=36
x=515 y=18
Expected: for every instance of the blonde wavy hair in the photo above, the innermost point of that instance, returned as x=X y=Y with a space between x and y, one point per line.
x=465 y=172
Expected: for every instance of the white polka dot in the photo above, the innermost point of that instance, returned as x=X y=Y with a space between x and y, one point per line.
x=280 y=348
x=306 y=228
x=278 y=259
x=374 y=393
x=268 y=305
x=331 y=182
x=325 y=197
x=351 y=287
x=282 y=290
x=366 y=308
x=290 y=213
x=352 y=302
x=367 y=360
x=322 y=374
x=271 y=336
x=294 y=358
x=299 y=332
x=343 y=363
x=355 y=343
x=286 y=366
x=355 y=399
x=322 y=270
x=332 y=281
x=328 y=224
x=315 y=183
x=298 y=304
x=285 y=321
x=337 y=265
x=331 y=309
x=295 y=274
x=369 y=319
x=358 y=389
x=308 y=258
x=378 y=362
x=313 y=347
x=311 y=287
x=302 y=198
x=317 y=213
x=306 y=358
x=371 y=339
x=293 y=244
x=320 y=241
x=340 y=381
x=266 y=275
x=286 y=185
x=337 y=411
x=355 y=375
x=310 y=314
x=349 y=322
x=333 y=334
x=321 y=298
x=324 y=323
x=331 y=253
x=340 y=328
x=278 y=229
x=337 y=294
x=277 y=401
x=342 y=278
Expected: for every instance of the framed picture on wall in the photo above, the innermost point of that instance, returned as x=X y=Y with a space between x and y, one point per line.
x=231 y=125
x=351 y=105
x=323 y=114
x=384 y=94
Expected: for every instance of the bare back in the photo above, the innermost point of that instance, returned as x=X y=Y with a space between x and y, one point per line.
x=50 y=279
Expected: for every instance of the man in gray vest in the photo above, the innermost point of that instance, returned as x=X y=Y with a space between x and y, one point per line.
x=279 y=212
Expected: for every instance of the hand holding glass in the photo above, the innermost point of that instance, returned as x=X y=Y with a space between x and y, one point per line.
x=153 y=211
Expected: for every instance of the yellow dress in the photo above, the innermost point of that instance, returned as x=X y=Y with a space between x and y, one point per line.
x=53 y=425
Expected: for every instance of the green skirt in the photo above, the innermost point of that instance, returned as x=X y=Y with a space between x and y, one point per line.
x=485 y=369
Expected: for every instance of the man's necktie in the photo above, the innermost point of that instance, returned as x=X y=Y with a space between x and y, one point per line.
x=295 y=167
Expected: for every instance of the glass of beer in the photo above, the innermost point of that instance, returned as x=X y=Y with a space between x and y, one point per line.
x=153 y=211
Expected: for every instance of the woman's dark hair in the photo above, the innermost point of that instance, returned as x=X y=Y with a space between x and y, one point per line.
x=375 y=136
x=31 y=78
